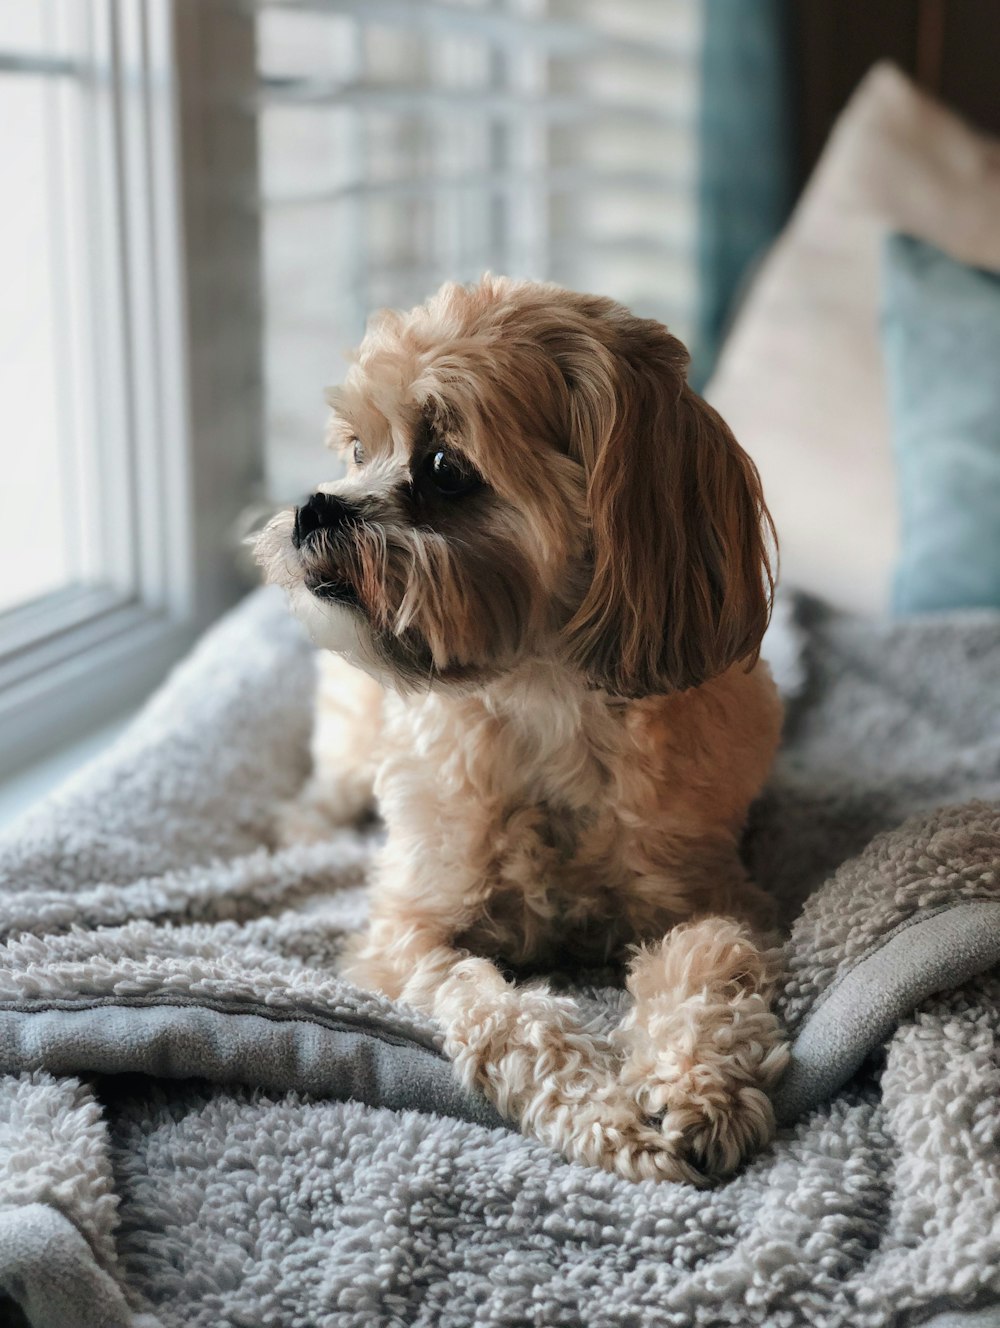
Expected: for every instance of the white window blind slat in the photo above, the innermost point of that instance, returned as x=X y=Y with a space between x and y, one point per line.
x=415 y=100
x=565 y=180
x=16 y=62
x=522 y=26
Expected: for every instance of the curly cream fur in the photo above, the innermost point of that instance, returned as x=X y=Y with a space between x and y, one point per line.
x=560 y=715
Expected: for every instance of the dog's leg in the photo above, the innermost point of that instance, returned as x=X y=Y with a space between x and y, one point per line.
x=525 y=1048
x=345 y=740
x=703 y=1048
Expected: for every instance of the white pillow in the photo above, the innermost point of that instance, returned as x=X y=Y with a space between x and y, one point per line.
x=800 y=379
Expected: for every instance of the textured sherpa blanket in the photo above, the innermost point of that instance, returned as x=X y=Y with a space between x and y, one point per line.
x=201 y=1125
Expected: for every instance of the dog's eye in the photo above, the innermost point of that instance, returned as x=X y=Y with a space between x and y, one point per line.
x=359 y=452
x=450 y=474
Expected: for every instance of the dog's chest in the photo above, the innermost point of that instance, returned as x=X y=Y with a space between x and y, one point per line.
x=537 y=806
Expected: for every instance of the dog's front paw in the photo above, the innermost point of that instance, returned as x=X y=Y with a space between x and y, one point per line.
x=527 y=1051
x=716 y=1127
x=705 y=1074
x=318 y=812
x=301 y=822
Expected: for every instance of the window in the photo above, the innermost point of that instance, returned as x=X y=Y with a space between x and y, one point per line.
x=404 y=142
x=121 y=471
x=204 y=199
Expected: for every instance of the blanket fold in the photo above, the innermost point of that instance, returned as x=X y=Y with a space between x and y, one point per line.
x=157 y=946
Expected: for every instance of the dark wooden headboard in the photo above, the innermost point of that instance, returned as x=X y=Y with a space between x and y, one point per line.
x=951 y=47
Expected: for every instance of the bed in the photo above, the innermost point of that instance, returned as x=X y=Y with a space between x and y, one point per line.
x=202 y=1124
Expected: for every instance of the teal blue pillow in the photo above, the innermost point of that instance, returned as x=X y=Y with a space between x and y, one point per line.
x=941 y=337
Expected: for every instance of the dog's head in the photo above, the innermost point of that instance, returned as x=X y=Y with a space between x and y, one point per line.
x=529 y=476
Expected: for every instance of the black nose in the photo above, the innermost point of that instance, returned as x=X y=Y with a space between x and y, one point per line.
x=322 y=511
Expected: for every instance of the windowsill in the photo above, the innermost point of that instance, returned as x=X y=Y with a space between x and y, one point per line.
x=30 y=785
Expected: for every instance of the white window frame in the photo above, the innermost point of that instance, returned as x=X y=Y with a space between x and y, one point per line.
x=170 y=379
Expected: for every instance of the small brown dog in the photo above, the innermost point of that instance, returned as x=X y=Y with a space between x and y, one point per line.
x=546 y=580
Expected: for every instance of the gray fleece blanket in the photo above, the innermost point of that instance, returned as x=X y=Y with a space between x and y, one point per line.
x=201 y=1125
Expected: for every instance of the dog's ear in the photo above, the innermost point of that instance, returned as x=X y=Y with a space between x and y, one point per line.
x=682 y=581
